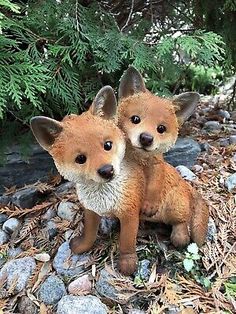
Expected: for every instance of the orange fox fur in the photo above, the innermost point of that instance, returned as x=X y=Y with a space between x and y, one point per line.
x=168 y=198
x=120 y=195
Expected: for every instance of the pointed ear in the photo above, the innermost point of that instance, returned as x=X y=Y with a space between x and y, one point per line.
x=104 y=104
x=45 y=130
x=185 y=104
x=131 y=83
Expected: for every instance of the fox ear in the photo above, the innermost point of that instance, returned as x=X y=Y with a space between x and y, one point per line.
x=45 y=130
x=185 y=104
x=104 y=104
x=131 y=83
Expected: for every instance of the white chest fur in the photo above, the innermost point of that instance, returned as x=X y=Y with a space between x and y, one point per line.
x=103 y=198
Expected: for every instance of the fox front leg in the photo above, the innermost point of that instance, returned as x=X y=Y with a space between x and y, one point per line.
x=84 y=243
x=128 y=260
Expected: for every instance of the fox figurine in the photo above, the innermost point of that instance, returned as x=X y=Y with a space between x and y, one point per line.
x=151 y=124
x=89 y=149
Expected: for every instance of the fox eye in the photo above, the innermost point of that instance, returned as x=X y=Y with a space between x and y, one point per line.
x=135 y=119
x=161 y=128
x=80 y=159
x=108 y=145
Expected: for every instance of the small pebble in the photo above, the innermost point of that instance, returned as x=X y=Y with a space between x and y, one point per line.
x=198 y=168
x=4 y=200
x=211 y=232
x=4 y=237
x=224 y=142
x=81 y=284
x=18 y=271
x=212 y=125
x=52 y=229
x=50 y=213
x=65 y=211
x=232 y=139
x=71 y=304
x=224 y=114
x=42 y=257
x=186 y=173
x=3 y=218
x=52 y=290
x=230 y=182
x=11 y=225
x=27 y=306
x=68 y=234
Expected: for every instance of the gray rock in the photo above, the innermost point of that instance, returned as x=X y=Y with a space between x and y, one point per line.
x=185 y=152
x=14 y=251
x=224 y=114
x=68 y=234
x=107 y=225
x=5 y=199
x=3 y=218
x=65 y=188
x=50 y=213
x=82 y=283
x=26 y=306
x=11 y=225
x=65 y=211
x=230 y=182
x=186 y=173
x=52 y=229
x=70 y=304
x=19 y=172
x=105 y=287
x=211 y=231
x=197 y=168
x=25 y=198
x=21 y=269
x=4 y=237
x=232 y=139
x=52 y=290
x=212 y=126
x=68 y=264
x=143 y=270
x=11 y=253
x=205 y=147
x=224 y=142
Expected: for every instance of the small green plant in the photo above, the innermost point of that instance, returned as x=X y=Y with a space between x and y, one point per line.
x=230 y=288
x=191 y=265
x=191 y=256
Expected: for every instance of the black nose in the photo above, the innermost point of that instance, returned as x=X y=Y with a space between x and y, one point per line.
x=106 y=171
x=146 y=139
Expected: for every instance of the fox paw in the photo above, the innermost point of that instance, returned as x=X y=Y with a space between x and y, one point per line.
x=78 y=245
x=179 y=240
x=128 y=263
x=148 y=209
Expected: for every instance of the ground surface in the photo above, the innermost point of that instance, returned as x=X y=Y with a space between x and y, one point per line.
x=163 y=285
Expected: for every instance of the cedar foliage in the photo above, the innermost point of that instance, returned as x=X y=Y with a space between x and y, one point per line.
x=55 y=55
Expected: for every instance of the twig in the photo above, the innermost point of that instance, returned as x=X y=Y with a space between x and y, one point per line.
x=17 y=118
x=76 y=15
x=129 y=17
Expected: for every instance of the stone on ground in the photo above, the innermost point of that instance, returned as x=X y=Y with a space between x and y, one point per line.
x=52 y=290
x=18 y=271
x=70 y=304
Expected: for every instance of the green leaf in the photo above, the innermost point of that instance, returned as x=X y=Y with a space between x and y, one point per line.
x=188 y=264
x=192 y=248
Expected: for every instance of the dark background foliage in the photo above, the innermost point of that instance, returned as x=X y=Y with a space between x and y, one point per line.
x=55 y=55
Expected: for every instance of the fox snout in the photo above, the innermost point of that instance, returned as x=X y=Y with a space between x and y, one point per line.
x=146 y=139
x=106 y=172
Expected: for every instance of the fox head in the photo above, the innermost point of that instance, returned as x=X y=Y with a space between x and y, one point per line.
x=85 y=147
x=150 y=122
